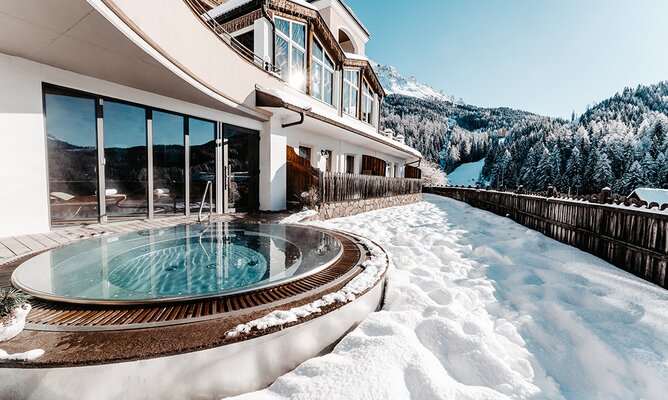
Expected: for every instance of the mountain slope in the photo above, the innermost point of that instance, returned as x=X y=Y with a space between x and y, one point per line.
x=394 y=83
x=621 y=142
x=448 y=133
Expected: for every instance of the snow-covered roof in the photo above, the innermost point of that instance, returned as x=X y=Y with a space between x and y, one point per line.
x=353 y=56
x=234 y=4
x=650 y=195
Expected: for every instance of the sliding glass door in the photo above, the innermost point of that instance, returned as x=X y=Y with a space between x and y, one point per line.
x=71 y=136
x=242 y=150
x=110 y=159
x=126 y=160
x=168 y=164
x=202 y=138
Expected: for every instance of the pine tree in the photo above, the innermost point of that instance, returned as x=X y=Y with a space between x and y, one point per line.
x=528 y=171
x=657 y=137
x=574 y=171
x=502 y=174
x=633 y=178
x=661 y=171
x=544 y=177
x=555 y=168
x=648 y=165
x=603 y=175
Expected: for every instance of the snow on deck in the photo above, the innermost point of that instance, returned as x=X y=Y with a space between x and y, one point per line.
x=479 y=307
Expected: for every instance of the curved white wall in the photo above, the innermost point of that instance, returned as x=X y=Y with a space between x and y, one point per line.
x=210 y=374
x=171 y=28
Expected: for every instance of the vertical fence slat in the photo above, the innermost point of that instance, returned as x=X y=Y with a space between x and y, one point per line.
x=336 y=187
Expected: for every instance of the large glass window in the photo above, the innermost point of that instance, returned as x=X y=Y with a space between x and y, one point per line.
x=291 y=52
x=367 y=103
x=202 y=161
x=98 y=158
x=351 y=87
x=168 y=164
x=126 y=159
x=322 y=74
x=72 y=149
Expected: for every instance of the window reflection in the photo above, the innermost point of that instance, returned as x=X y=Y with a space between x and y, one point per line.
x=291 y=52
x=351 y=89
x=168 y=164
x=125 y=152
x=202 y=160
x=322 y=74
x=72 y=157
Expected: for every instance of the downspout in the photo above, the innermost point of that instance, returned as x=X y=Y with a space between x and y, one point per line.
x=301 y=120
x=265 y=13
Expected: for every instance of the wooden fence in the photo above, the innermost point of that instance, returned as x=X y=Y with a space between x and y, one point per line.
x=633 y=238
x=301 y=177
x=345 y=187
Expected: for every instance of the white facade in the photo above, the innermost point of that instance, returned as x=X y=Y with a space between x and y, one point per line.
x=339 y=17
x=112 y=52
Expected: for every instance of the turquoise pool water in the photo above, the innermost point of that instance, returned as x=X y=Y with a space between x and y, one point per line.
x=182 y=262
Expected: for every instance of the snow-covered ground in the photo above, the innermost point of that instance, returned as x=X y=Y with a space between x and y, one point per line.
x=466 y=174
x=478 y=307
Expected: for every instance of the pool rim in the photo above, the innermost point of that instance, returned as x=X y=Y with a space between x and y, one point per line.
x=170 y=300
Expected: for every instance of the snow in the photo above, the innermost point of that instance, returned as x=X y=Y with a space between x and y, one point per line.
x=649 y=195
x=15 y=325
x=394 y=83
x=466 y=174
x=298 y=217
x=374 y=268
x=478 y=307
x=27 y=356
x=230 y=5
x=354 y=56
x=292 y=99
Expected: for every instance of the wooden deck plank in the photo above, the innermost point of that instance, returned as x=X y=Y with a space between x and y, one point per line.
x=31 y=243
x=53 y=235
x=15 y=246
x=5 y=253
x=44 y=240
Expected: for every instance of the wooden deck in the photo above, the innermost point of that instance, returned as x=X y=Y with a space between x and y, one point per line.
x=75 y=335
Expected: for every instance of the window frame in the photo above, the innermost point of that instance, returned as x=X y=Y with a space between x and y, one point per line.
x=310 y=152
x=356 y=90
x=353 y=158
x=367 y=99
x=325 y=69
x=292 y=45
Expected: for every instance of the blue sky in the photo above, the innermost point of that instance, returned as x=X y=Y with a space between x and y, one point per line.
x=546 y=56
